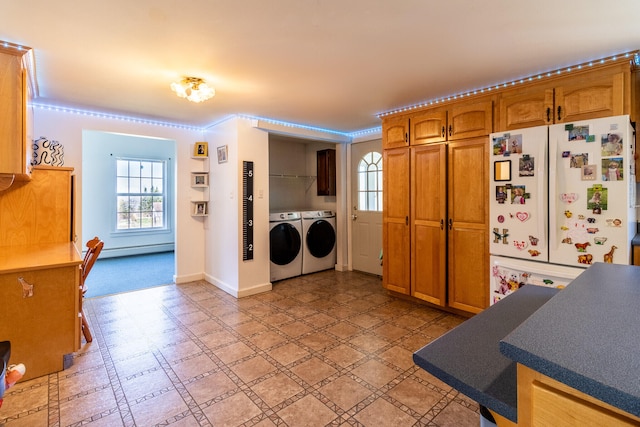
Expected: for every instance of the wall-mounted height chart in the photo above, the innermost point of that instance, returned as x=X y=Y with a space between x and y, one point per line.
x=247 y=210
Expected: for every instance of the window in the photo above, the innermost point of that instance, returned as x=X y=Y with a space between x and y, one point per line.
x=370 y=182
x=140 y=194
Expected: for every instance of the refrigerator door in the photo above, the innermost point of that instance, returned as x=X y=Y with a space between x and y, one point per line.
x=508 y=275
x=591 y=191
x=518 y=194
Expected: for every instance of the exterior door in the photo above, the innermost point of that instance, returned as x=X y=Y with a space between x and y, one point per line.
x=366 y=206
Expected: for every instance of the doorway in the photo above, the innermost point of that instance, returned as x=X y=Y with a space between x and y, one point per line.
x=366 y=206
x=127 y=195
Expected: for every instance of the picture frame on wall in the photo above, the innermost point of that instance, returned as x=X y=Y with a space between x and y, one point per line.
x=222 y=154
x=200 y=149
x=199 y=179
x=200 y=208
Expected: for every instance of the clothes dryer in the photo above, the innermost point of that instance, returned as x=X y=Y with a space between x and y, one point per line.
x=319 y=240
x=285 y=241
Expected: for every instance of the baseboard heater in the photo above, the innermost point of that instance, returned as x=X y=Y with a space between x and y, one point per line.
x=137 y=250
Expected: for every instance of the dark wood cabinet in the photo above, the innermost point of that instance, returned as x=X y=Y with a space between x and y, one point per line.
x=326 y=173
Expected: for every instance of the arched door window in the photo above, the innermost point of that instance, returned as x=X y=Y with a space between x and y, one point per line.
x=370 y=182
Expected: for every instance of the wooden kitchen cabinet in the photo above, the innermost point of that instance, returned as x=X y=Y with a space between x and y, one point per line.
x=15 y=117
x=599 y=92
x=427 y=209
x=326 y=172
x=546 y=402
x=395 y=132
x=428 y=227
x=43 y=326
x=395 y=221
x=468 y=216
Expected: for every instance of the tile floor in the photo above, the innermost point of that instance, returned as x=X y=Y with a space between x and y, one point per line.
x=327 y=349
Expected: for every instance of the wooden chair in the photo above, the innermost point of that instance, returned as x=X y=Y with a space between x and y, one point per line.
x=94 y=247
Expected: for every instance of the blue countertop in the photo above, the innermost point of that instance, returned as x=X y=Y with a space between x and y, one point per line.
x=468 y=357
x=588 y=336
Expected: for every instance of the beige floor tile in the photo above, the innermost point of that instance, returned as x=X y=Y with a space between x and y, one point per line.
x=345 y=392
x=233 y=352
x=375 y=373
x=344 y=355
x=232 y=411
x=307 y=412
x=383 y=413
x=414 y=395
x=253 y=369
x=210 y=386
x=288 y=353
x=86 y=406
x=160 y=407
x=276 y=389
x=313 y=370
x=456 y=415
x=193 y=366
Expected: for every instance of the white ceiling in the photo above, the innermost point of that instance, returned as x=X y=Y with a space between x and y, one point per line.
x=332 y=64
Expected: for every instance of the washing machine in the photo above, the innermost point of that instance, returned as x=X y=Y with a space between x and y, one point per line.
x=285 y=242
x=319 y=240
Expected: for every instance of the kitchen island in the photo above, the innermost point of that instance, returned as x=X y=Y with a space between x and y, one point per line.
x=542 y=355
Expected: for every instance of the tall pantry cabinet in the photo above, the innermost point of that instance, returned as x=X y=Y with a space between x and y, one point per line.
x=435 y=205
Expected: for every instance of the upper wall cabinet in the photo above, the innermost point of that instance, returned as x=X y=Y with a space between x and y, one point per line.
x=395 y=132
x=595 y=93
x=457 y=121
x=15 y=115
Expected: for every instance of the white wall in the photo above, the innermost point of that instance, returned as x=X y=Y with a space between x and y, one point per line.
x=224 y=266
x=67 y=128
x=100 y=150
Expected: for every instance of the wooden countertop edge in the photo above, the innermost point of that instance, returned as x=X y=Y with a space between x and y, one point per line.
x=38 y=257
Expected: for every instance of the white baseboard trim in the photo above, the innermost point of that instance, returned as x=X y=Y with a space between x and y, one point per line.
x=188 y=278
x=234 y=291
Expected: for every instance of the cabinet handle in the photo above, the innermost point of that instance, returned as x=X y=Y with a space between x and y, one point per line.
x=27 y=288
x=559 y=112
x=443 y=132
x=406 y=220
x=442 y=224
x=406 y=137
x=450 y=130
x=450 y=223
x=548 y=114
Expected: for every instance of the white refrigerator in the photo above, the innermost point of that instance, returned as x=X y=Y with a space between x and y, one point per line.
x=562 y=198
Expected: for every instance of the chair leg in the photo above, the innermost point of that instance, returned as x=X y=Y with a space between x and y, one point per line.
x=85 y=328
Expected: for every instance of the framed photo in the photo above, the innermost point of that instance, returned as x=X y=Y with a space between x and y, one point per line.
x=200 y=208
x=222 y=154
x=199 y=179
x=200 y=149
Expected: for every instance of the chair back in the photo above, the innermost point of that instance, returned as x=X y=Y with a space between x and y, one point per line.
x=94 y=247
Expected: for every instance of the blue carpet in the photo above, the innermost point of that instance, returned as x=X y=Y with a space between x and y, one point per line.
x=123 y=274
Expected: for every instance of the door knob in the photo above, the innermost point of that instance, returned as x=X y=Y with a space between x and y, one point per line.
x=354 y=217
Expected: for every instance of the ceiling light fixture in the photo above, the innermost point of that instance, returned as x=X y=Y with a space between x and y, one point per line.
x=193 y=88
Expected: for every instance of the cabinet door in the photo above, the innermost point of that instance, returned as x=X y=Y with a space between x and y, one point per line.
x=468 y=253
x=12 y=140
x=395 y=220
x=326 y=172
x=428 y=231
x=470 y=120
x=428 y=127
x=599 y=96
x=395 y=132
x=520 y=109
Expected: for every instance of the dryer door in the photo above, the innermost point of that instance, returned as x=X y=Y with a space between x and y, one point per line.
x=285 y=243
x=321 y=238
